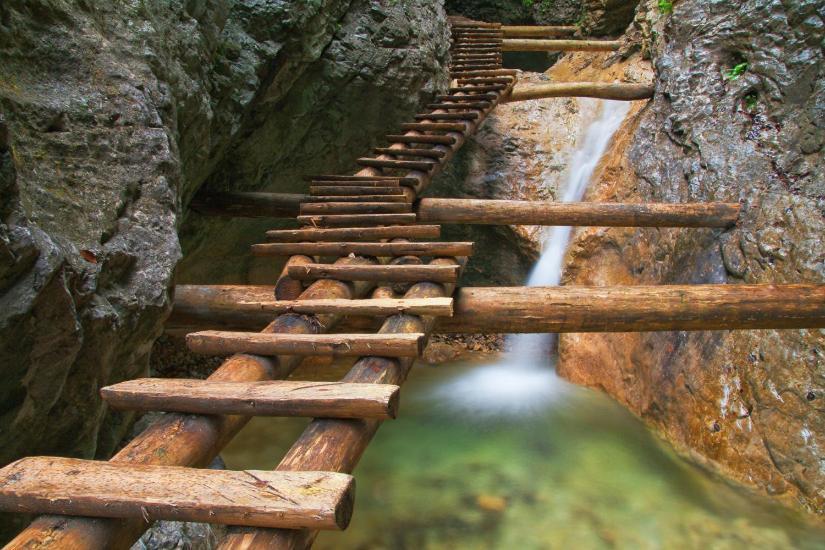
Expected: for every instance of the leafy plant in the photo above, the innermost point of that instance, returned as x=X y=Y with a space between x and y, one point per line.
x=737 y=71
x=665 y=6
x=527 y=3
x=750 y=101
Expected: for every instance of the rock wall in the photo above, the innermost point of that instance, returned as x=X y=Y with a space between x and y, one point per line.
x=746 y=403
x=112 y=116
x=515 y=12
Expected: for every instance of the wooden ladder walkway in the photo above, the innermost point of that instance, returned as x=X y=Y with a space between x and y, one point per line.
x=366 y=221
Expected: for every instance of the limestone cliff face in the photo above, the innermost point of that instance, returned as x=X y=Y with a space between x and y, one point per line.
x=748 y=403
x=112 y=116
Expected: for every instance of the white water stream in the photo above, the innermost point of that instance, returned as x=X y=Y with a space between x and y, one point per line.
x=524 y=380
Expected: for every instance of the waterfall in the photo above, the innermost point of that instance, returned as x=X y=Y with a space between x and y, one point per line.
x=524 y=381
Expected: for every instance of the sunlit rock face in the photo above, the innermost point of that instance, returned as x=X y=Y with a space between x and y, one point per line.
x=748 y=403
x=112 y=116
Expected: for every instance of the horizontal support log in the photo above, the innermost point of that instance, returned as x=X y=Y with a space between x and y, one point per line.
x=214 y=342
x=433 y=127
x=601 y=90
x=537 y=31
x=468 y=115
x=378 y=307
x=411 y=152
x=355 y=207
x=394 y=184
x=423 y=166
x=565 y=309
x=529 y=45
x=395 y=180
x=505 y=212
x=462 y=98
x=473 y=89
x=377 y=273
x=354 y=233
x=438 y=140
x=356 y=198
x=331 y=190
x=67 y=486
x=365 y=249
x=489 y=72
x=480 y=105
x=356 y=220
x=264 y=398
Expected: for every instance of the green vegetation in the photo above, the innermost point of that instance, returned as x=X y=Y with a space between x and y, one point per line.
x=750 y=101
x=737 y=71
x=527 y=3
x=665 y=6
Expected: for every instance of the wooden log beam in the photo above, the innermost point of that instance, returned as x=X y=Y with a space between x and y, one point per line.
x=350 y=190
x=264 y=398
x=289 y=500
x=337 y=445
x=382 y=307
x=530 y=45
x=355 y=220
x=213 y=342
x=353 y=207
x=376 y=273
x=506 y=212
x=537 y=31
x=565 y=309
x=601 y=90
x=365 y=249
x=354 y=233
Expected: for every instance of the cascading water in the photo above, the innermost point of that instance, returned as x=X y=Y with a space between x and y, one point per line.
x=524 y=380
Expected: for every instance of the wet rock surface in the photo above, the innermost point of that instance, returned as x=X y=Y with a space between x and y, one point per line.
x=746 y=403
x=112 y=116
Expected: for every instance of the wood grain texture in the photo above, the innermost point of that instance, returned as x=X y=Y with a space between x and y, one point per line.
x=507 y=212
x=538 y=45
x=356 y=220
x=377 y=273
x=309 y=208
x=213 y=342
x=439 y=307
x=290 y=500
x=261 y=398
x=355 y=233
x=537 y=31
x=365 y=249
x=601 y=90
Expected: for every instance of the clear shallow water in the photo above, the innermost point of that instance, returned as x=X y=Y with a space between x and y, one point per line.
x=571 y=469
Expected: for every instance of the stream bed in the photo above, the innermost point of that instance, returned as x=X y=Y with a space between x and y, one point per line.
x=566 y=468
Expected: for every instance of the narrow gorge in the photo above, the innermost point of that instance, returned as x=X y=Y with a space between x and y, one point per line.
x=127 y=129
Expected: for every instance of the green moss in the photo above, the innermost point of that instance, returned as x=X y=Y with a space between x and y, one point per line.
x=665 y=6
x=736 y=71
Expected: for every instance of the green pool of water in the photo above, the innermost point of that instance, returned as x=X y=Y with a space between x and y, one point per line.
x=564 y=469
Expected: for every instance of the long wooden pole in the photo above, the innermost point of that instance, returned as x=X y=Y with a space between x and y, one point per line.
x=507 y=212
x=512 y=212
x=564 y=309
x=530 y=45
x=600 y=90
x=537 y=31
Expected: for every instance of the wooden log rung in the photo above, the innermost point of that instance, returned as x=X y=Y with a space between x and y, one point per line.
x=373 y=307
x=354 y=233
x=377 y=183
x=332 y=190
x=356 y=220
x=397 y=164
x=447 y=116
x=433 y=127
x=478 y=105
x=468 y=98
x=216 y=342
x=438 y=140
x=339 y=178
x=446 y=249
x=355 y=208
x=485 y=80
x=472 y=89
x=376 y=273
x=262 y=398
x=68 y=486
x=411 y=152
x=359 y=198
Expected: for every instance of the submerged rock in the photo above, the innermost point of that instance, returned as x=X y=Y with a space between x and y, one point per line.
x=737 y=117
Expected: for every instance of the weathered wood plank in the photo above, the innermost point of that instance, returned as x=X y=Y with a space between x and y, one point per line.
x=601 y=90
x=365 y=249
x=211 y=342
x=438 y=307
x=537 y=31
x=537 y=45
x=423 y=166
x=265 y=398
x=433 y=126
x=291 y=500
x=411 y=152
x=367 y=207
x=332 y=190
x=377 y=273
x=404 y=138
x=354 y=233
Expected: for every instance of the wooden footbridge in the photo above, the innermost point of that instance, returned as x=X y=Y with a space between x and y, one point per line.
x=391 y=285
